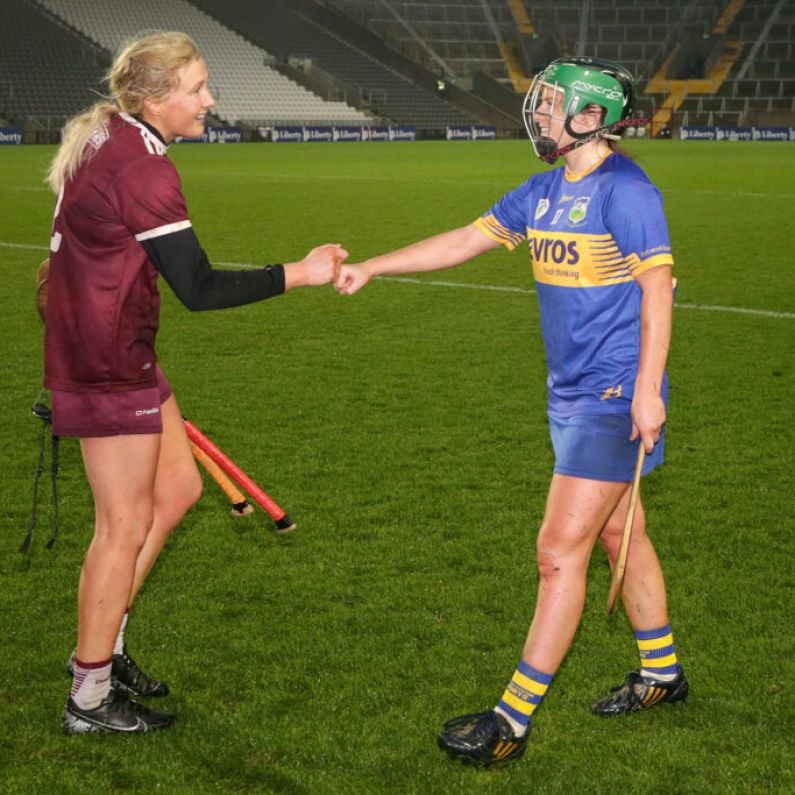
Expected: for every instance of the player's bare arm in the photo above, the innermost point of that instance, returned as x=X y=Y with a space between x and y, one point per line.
x=648 y=408
x=445 y=250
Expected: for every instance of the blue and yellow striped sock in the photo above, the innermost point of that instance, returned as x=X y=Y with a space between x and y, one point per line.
x=523 y=695
x=657 y=653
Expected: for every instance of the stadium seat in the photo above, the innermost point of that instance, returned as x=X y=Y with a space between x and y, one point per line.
x=45 y=71
x=248 y=89
x=281 y=30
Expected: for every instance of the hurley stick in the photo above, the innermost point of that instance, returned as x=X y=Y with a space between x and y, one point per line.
x=240 y=506
x=621 y=561
x=283 y=522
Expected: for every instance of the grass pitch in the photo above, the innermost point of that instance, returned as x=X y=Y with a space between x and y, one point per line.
x=404 y=430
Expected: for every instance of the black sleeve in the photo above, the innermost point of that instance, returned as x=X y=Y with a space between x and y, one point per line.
x=183 y=264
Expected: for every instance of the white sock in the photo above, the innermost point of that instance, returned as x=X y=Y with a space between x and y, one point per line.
x=658 y=677
x=518 y=729
x=90 y=683
x=118 y=647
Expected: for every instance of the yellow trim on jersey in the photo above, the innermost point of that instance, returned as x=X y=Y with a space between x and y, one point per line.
x=570 y=177
x=492 y=228
x=573 y=259
x=653 y=262
x=584 y=260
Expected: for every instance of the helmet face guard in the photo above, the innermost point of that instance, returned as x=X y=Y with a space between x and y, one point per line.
x=575 y=85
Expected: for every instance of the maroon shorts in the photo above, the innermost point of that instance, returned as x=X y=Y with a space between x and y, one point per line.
x=110 y=413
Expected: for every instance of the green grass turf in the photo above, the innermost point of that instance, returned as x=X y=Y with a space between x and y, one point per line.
x=404 y=429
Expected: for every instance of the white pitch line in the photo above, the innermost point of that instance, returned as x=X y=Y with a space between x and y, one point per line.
x=748 y=194
x=501 y=184
x=528 y=291
x=498 y=183
x=736 y=309
x=494 y=288
x=705 y=307
x=24 y=245
x=489 y=287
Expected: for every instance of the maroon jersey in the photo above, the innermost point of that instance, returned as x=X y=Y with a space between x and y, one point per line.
x=103 y=302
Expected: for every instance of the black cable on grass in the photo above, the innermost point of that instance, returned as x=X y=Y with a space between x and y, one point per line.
x=43 y=412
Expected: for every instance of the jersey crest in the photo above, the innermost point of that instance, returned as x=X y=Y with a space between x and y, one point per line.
x=541 y=208
x=99 y=136
x=579 y=209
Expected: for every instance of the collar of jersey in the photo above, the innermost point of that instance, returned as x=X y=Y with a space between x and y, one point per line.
x=149 y=131
x=582 y=174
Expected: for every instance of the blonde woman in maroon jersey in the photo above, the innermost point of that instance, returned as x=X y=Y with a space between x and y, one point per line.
x=120 y=222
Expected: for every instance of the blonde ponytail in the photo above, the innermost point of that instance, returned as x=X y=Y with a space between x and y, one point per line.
x=78 y=136
x=145 y=68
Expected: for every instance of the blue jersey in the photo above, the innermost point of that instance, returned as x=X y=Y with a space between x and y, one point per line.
x=589 y=236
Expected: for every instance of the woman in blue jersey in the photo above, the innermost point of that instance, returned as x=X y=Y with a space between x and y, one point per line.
x=601 y=259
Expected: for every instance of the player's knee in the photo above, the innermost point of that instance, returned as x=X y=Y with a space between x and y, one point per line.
x=548 y=562
x=125 y=532
x=558 y=542
x=550 y=551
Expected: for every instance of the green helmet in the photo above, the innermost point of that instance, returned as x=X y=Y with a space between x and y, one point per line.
x=583 y=82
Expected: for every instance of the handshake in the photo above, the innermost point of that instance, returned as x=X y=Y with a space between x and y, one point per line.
x=323 y=265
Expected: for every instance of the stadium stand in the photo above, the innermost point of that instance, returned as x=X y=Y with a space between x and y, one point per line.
x=708 y=62
x=759 y=87
x=293 y=37
x=247 y=89
x=455 y=38
x=46 y=72
x=427 y=64
x=472 y=36
x=637 y=33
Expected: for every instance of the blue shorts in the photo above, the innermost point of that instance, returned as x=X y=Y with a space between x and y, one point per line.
x=597 y=447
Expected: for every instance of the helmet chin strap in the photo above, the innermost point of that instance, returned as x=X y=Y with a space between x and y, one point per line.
x=548 y=152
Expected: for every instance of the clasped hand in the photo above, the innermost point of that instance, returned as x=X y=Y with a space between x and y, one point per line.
x=351 y=279
x=320 y=266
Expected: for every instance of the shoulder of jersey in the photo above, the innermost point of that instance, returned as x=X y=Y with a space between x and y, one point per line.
x=542 y=178
x=627 y=167
x=150 y=143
